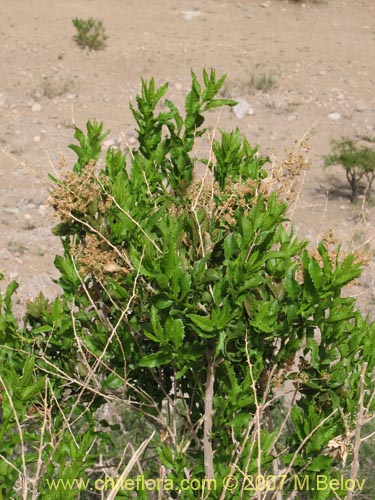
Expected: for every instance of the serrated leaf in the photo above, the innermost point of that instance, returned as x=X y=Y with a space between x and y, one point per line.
x=203 y=322
x=175 y=331
x=316 y=273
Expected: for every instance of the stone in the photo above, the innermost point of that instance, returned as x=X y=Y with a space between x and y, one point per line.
x=11 y=210
x=189 y=15
x=36 y=106
x=334 y=116
x=241 y=108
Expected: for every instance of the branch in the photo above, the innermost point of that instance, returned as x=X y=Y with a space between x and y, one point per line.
x=208 y=403
x=129 y=467
x=357 y=442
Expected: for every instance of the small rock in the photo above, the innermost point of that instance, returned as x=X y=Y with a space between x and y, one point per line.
x=36 y=106
x=334 y=116
x=265 y=5
x=27 y=217
x=251 y=111
x=132 y=140
x=36 y=138
x=360 y=108
x=241 y=108
x=274 y=136
x=11 y=210
x=191 y=14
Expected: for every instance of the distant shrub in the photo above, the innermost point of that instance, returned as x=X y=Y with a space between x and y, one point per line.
x=261 y=79
x=358 y=162
x=90 y=33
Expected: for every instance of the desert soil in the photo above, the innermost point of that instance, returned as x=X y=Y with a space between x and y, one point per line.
x=319 y=56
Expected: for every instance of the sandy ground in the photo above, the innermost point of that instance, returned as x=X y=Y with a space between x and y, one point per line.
x=319 y=55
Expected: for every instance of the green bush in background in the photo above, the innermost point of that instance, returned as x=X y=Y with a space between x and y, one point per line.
x=90 y=33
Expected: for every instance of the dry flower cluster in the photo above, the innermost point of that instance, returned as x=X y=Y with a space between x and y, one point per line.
x=96 y=258
x=285 y=177
x=79 y=194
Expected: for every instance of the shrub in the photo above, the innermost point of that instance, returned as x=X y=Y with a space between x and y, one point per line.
x=188 y=306
x=261 y=79
x=357 y=161
x=90 y=33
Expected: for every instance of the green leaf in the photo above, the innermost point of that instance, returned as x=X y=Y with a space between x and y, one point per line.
x=175 y=331
x=241 y=420
x=166 y=457
x=113 y=381
x=219 y=103
x=316 y=273
x=320 y=464
x=156 y=359
x=27 y=375
x=204 y=323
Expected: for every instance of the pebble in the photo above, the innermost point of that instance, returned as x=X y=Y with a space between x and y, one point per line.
x=191 y=14
x=36 y=106
x=360 y=108
x=251 y=111
x=274 y=136
x=11 y=210
x=334 y=116
x=241 y=108
x=36 y=138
